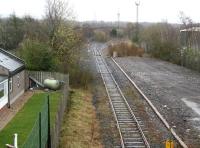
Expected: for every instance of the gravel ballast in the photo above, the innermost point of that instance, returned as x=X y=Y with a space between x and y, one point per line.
x=174 y=90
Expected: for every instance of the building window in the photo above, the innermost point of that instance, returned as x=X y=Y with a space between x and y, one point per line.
x=10 y=85
x=1 y=90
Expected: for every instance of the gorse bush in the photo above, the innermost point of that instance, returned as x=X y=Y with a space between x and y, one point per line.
x=125 y=49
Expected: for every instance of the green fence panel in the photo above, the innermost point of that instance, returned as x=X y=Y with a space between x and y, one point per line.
x=44 y=125
x=33 y=138
x=40 y=127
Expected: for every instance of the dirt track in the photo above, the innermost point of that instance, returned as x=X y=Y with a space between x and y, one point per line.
x=174 y=90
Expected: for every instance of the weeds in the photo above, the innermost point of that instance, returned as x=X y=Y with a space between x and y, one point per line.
x=80 y=127
x=125 y=49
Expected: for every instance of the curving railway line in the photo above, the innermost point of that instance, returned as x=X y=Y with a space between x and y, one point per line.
x=129 y=126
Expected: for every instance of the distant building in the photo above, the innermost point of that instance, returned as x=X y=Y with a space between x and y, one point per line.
x=190 y=38
x=12 y=78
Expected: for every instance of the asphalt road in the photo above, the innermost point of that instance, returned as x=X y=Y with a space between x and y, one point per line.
x=174 y=90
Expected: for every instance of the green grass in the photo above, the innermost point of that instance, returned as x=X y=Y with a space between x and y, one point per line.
x=23 y=122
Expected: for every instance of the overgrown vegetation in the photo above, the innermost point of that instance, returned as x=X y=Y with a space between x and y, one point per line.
x=113 y=32
x=191 y=59
x=23 y=122
x=32 y=51
x=48 y=44
x=100 y=36
x=162 y=41
x=80 y=127
x=125 y=49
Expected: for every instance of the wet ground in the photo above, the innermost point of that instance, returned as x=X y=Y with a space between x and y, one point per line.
x=174 y=90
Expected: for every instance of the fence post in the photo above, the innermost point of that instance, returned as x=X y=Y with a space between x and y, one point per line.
x=49 y=125
x=40 y=131
x=15 y=140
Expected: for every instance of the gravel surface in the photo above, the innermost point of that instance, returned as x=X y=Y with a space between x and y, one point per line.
x=174 y=90
x=155 y=131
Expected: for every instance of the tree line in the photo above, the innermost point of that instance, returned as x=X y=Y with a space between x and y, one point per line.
x=48 y=44
x=167 y=42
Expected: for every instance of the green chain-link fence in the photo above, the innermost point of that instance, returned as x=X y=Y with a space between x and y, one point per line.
x=33 y=139
x=42 y=135
x=40 y=132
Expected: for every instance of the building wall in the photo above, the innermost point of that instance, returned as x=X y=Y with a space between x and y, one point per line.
x=18 y=86
x=3 y=71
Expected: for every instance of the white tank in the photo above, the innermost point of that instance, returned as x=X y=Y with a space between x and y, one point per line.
x=51 y=84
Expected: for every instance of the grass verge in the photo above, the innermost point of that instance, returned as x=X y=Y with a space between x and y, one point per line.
x=80 y=127
x=24 y=120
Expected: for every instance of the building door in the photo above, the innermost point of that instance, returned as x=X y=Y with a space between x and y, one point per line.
x=3 y=93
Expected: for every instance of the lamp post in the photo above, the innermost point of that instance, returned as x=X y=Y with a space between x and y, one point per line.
x=118 y=19
x=137 y=3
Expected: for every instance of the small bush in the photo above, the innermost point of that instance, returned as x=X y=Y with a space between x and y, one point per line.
x=113 y=32
x=100 y=36
x=125 y=49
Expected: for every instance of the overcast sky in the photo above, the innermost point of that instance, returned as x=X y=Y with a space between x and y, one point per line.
x=106 y=10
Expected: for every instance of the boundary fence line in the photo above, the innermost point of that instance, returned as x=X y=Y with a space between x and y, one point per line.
x=43 y=134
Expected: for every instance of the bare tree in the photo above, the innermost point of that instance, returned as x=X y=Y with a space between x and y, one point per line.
x=185 y=20
x=57 y=12
x=63 y=39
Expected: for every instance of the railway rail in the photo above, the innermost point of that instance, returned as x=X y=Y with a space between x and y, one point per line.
x=129 y=126
x=178 y=139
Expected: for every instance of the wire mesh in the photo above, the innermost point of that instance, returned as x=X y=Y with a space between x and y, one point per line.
x=44 y=124
x=33 y=138
x=40 y=127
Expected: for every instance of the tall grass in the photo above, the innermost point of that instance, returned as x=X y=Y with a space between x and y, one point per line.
x=80 y=128
x=80 y=78
x=125 y=49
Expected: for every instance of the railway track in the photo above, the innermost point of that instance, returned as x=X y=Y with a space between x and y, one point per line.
x=129 y=126
x=163 y=120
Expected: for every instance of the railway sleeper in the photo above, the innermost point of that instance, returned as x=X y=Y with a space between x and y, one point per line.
x=130 y=146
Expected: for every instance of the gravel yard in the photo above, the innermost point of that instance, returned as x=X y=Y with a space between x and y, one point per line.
x=174 y=90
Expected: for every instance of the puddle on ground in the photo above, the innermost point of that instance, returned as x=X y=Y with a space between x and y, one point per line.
x=194 y=119
x=196 y=108
x=193 y=105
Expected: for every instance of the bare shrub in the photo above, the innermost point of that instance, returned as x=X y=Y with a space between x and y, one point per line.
x=125 y=49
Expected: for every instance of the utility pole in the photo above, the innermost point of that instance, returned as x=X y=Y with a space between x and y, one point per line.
x=137 y=3
x=118 y=19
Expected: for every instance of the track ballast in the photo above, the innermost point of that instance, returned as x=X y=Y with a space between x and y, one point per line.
x=129 y=126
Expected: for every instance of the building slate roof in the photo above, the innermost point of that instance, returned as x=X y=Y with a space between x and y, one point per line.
x=10 y=61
